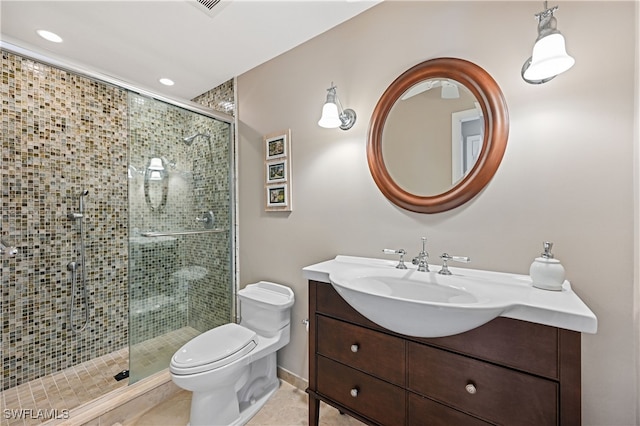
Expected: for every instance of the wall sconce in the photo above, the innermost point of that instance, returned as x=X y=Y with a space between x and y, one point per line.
x=156 y=164
x=549 y=56
x=333 y=115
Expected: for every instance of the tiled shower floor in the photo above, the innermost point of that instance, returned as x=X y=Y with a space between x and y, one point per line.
x=39 y=400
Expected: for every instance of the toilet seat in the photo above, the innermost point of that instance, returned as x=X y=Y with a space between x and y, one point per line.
x=213 y=349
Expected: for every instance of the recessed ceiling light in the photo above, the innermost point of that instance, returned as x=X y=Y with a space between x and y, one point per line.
x=167 y=81
x=48 y=35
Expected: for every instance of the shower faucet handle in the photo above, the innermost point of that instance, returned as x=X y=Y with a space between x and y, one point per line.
x=207 y=218
x=7 y=250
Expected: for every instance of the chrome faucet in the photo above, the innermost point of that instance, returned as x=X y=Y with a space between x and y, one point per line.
x=422 y=259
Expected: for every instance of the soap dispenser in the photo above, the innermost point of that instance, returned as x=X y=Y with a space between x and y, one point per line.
x=546 y=272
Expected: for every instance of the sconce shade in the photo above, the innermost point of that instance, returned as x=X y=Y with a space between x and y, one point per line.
x=156 y=164
x=549 y=58
x=330 y=118
x=155 y=175
x=333 y=115
x=449 y=91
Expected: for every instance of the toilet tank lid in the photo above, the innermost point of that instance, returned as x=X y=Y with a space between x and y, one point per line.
x=268 y=293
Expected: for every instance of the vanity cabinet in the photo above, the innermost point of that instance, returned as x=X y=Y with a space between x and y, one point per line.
x=507 y=372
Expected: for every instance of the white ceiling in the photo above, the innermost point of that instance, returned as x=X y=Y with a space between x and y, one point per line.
x=139 y=42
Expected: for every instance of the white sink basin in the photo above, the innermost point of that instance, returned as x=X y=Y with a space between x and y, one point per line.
x=427 y=304
x=421 y=304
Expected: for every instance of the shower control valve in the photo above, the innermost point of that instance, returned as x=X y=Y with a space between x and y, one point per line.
x=207 y=218
x=7 y=250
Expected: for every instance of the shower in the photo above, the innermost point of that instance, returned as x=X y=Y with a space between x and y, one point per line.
x=73 y=268
x=180 y=271
x=189 y=139
x=89 y=289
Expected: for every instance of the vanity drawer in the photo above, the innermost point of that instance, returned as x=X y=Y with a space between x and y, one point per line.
x=498 y=395
x=376 y=353
x=375 y=399
x=424 y=411
x=513 y=343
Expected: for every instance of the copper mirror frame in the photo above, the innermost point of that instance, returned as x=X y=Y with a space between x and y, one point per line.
x=496 y=131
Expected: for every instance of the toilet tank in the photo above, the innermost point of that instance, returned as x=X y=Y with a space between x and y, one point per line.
x=265 y=307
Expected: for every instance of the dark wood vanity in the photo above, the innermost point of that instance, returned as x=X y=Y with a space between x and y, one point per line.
x=507 y=372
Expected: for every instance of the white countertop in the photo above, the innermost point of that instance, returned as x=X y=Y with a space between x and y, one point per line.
x=563 y=309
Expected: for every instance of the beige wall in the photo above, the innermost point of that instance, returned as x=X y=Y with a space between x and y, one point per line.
x=567 y=174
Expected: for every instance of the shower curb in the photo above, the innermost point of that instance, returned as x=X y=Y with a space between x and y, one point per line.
x=124 y=405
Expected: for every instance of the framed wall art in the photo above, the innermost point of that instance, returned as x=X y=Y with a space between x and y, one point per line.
x=277 y=196
x=277 y=167
x=276 y=145
x=276 y=171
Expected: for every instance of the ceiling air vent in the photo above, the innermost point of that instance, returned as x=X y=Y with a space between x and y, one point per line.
x=209 y=7
x=210 y=4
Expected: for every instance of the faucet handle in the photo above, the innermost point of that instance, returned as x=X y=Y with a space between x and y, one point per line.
x=208 y=219
x=401 y=252
x=7 y=250
x=446 y=257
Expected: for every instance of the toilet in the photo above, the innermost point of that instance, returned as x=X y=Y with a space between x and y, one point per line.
x=231 y=369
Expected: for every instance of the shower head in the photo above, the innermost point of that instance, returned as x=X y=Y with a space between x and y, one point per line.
x=189 y=139
x=84 y=192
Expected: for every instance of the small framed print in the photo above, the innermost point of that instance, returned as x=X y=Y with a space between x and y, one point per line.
x=277 y=197
x=277 y=145
x=277 y=166
x=276 y=171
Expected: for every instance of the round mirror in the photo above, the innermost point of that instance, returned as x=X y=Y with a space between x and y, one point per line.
x=437 y=135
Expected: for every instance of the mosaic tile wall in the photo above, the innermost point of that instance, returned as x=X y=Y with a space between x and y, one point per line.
x=60 y=134
x=221 y=98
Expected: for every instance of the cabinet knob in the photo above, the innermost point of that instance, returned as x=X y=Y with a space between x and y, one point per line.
x=354 y=392
x=354 y=348
x=471 y=388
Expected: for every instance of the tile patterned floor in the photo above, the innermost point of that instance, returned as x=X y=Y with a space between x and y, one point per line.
x=153 y=355
x=287 y=407
x=39 y=400
x=78 y=385
x=62 y=391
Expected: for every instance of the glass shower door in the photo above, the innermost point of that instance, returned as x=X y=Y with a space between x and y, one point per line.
x=180 y=230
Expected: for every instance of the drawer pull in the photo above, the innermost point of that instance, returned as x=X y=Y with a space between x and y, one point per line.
x=354 y=392
x=471 y=388
x=354 y=348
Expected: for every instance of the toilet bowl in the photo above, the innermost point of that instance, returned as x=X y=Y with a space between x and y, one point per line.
x=231 y=369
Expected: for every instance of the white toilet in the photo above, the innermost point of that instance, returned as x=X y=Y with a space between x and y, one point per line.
x=231 y=369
